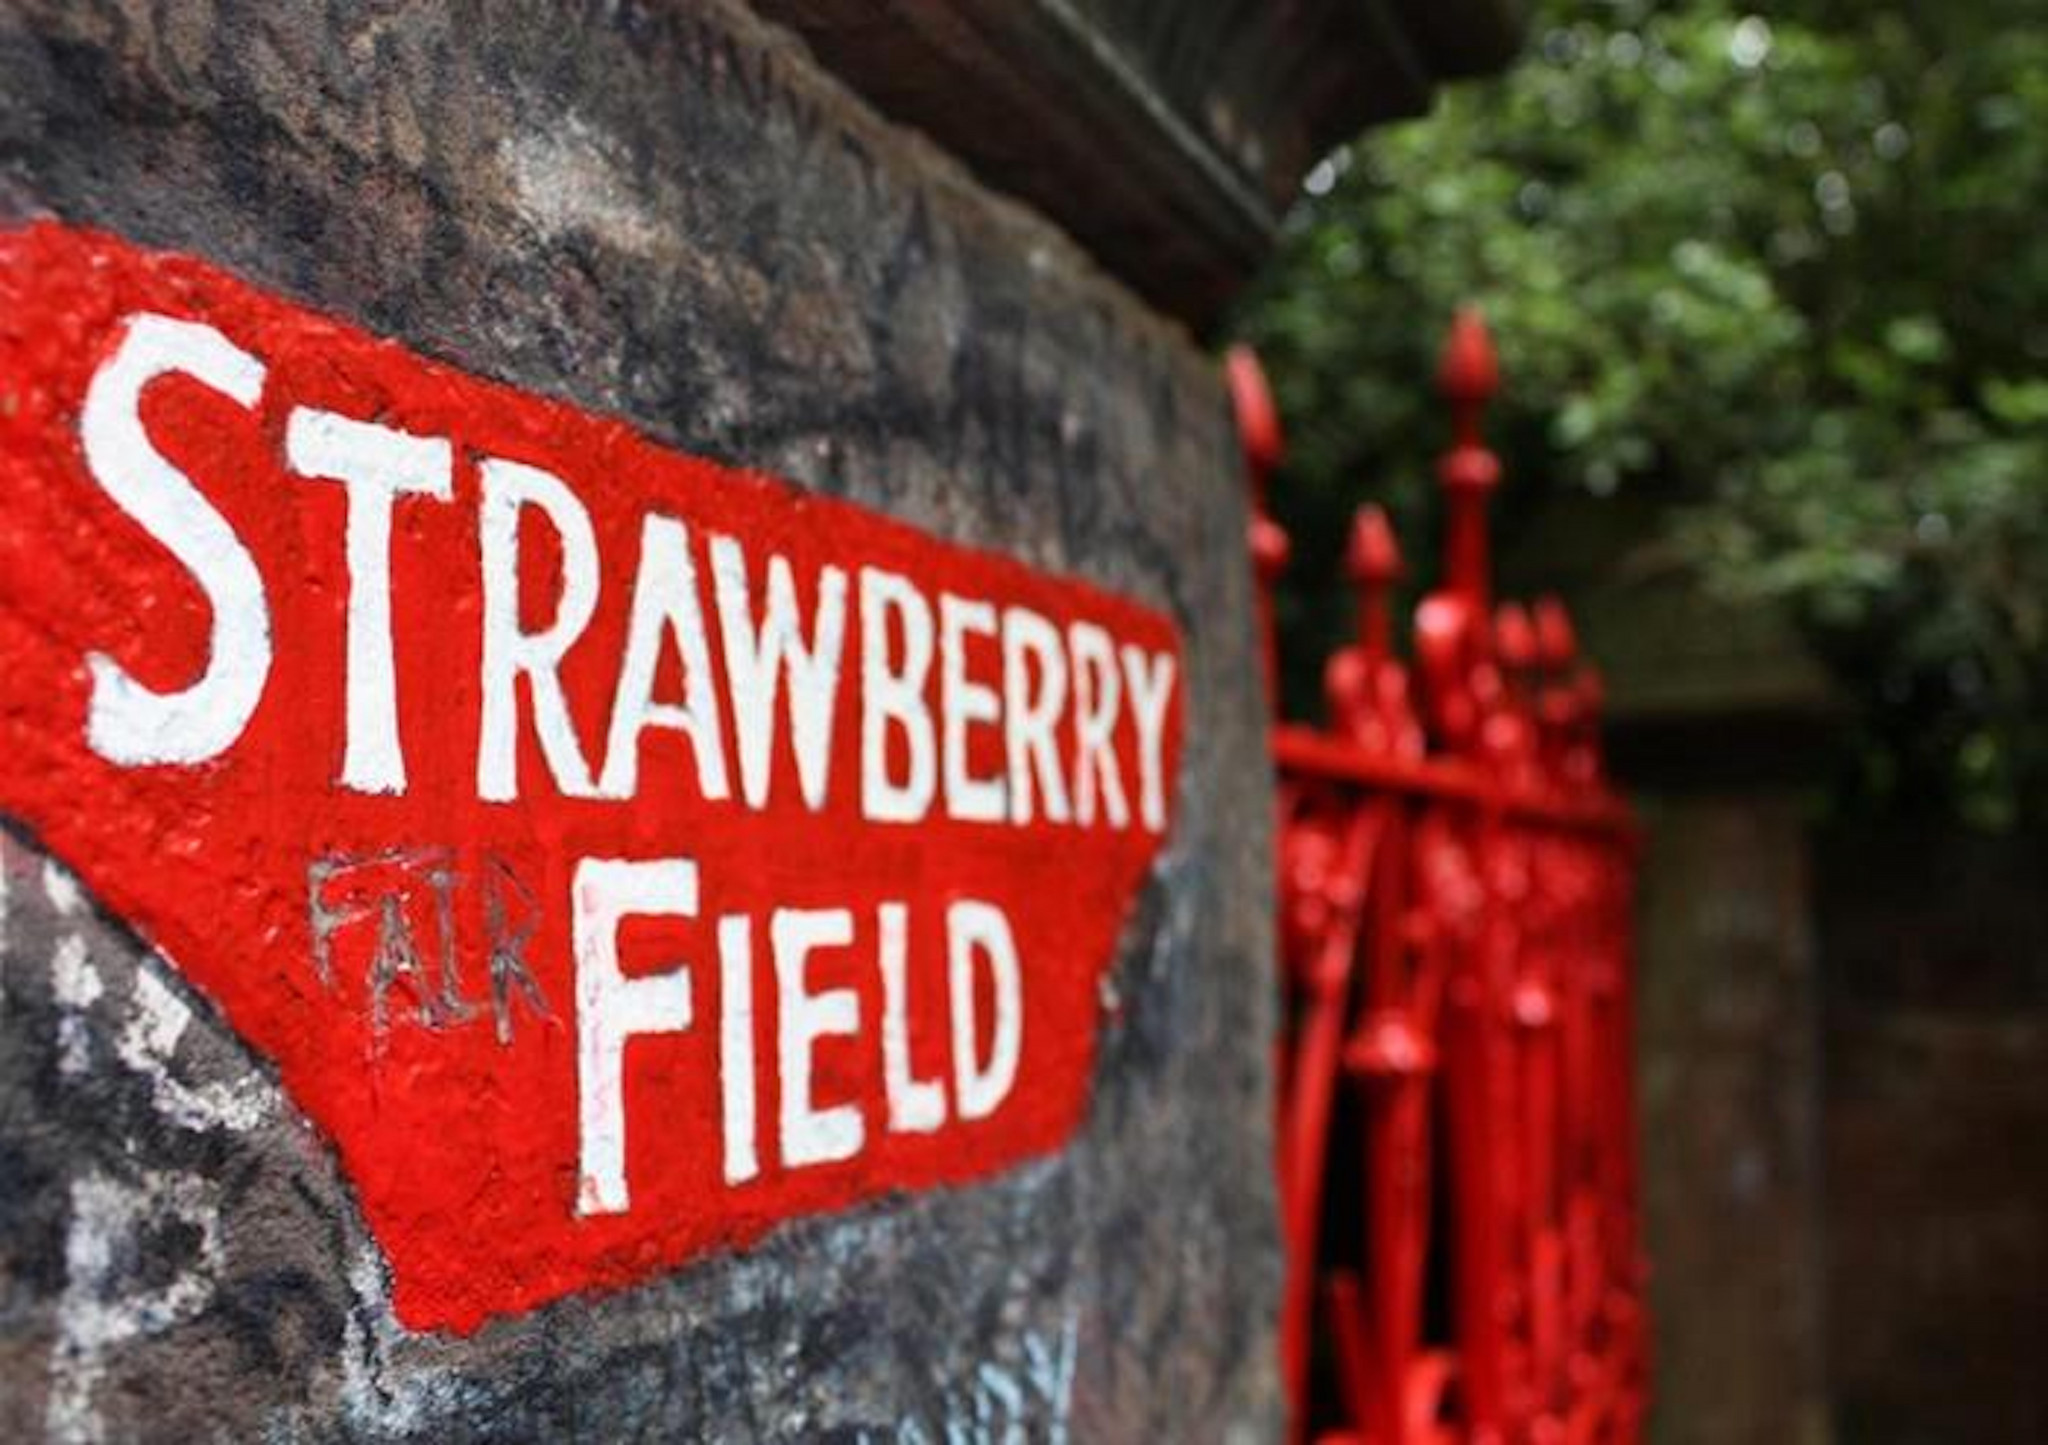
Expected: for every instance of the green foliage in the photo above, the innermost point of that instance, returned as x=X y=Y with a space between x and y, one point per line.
x=1791 y=274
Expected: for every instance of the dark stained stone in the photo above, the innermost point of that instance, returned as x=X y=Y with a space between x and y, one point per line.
x=664 y=212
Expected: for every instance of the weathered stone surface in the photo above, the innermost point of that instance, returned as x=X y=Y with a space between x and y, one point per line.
x=1934 y=946
x=1728 y=1058
x=1168 y=136
x=662 y=212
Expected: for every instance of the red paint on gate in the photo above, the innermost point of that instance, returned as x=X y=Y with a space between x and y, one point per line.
x=1456 y=1122
x=457 y=1118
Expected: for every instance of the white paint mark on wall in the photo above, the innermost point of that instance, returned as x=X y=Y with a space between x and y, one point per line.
x=6 y=881
x=562 y=182
x=157 y=1019
x=100 y=1310
x=1049 y=1366
x=370 y=1405
x=73 y=979
x=1004 y=1403
x=147 y=1045
x=998 y=1396
x=380 y=1395
x=62 y=889
x=75 y=984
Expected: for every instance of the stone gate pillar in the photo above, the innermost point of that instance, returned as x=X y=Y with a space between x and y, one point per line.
x=333 y=1014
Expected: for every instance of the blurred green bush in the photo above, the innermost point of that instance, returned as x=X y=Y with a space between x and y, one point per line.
x=1791 y=272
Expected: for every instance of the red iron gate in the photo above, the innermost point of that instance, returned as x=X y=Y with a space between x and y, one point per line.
x=1457 y=1137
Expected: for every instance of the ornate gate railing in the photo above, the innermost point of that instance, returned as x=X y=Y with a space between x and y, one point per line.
x=1456 y=1134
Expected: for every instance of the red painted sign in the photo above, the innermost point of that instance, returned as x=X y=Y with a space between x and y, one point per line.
x=616 y=853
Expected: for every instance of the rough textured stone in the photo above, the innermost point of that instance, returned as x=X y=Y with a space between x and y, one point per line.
x=1728 y=1053
x=1168 y=136
x=1934 y=948
x=666 y=213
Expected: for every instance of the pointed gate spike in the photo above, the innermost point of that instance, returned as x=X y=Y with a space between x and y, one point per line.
x=1469 y=371
x=1373 y=555
x=1514 y=637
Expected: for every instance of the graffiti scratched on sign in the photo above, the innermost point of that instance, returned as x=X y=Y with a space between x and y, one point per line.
x=616 y=853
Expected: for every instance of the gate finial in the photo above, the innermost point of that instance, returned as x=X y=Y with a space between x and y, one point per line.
x=1258 y=433
x=1468 y=377
x=1373 y=563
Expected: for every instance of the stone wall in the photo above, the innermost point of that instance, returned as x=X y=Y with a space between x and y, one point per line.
x=664 y=213
x=1728 y=1042
x=1934 y=952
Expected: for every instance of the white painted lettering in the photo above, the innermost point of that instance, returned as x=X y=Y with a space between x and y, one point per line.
x=892 y=699
x=376 y=465
x=665 y=605
x=612 y=1008
x=811 y=1135
x=1149 y=677
x=757 y=657
x=1095 y=708
x=509 y=488
x=1030 y=714
x=128 y=722
x=916 y=1106
x=736 y=1046
x=975 y=929
x=962 y=703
